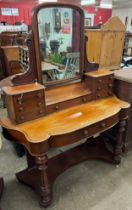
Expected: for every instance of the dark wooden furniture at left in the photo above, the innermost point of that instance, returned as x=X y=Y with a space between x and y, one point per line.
x=1 y=186
x=9 y=59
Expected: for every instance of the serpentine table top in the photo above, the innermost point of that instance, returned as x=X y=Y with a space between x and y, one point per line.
x=68 y=120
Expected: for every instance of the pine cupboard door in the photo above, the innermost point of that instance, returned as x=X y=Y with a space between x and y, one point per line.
x=93 y=45
x=106 y=49
x=118 y=50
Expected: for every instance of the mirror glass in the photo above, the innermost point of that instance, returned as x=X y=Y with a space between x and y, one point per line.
x=59 y=39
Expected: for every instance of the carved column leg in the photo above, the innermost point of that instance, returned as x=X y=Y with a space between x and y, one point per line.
x=121 y=130
x=44 y=185
x=125 y=147
x=30 y=160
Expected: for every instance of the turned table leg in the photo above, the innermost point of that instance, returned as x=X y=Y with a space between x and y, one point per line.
x=121 y=130
x=1 y=186
x=44 y=185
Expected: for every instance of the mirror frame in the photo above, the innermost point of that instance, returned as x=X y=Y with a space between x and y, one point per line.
x=35 y=32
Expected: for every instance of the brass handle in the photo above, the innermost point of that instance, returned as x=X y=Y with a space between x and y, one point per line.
x=20 y=99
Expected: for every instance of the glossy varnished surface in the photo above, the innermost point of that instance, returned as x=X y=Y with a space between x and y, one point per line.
x=68 y=120
x=22 y=88
x=99 y=73
x=67 y=92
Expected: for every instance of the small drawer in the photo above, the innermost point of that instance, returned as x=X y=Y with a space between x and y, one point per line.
x=29 y=98
x=86 y=132
x=68 y=103
x=99 y=127
x=30 y=115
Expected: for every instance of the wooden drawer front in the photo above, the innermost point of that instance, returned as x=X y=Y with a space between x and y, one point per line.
x=67 y=104
x=29 y=100
x=84 y=133
x=29 y=106
x=104 y=86
x=29 y=115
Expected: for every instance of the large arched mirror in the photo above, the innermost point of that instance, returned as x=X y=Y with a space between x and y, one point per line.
x=59 y=45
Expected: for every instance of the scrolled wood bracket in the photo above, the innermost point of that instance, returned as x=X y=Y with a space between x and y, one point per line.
x=87 y=65
x=30 y=75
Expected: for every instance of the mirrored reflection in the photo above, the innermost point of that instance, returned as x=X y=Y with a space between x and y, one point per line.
x=59 y=35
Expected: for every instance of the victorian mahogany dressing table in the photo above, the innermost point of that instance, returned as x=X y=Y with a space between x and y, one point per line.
x=44 y=115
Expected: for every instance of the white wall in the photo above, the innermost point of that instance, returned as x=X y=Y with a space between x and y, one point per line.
x=122 y=13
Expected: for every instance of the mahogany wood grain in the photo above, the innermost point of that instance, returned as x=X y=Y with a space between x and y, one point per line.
x=66 y=92
x=68 y=120
x=21 y=89
x=99 y=73
x=100 y=83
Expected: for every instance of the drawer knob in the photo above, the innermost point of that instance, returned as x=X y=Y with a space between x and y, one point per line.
x=56 y=107
x=84 y=99
x=110 y=85
x=103 y=125
x=100 y=80
x=20 y=109
x=39 y=95
x=111 y=78
x=41 y=111
x=98 y=88
x=22 y=117
x=85 y=132
x=110 y=93
x=39 y=103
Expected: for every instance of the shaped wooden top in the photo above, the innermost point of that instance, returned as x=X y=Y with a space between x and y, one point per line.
x=68 y=120
x=99 y=73
x=22 y=88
